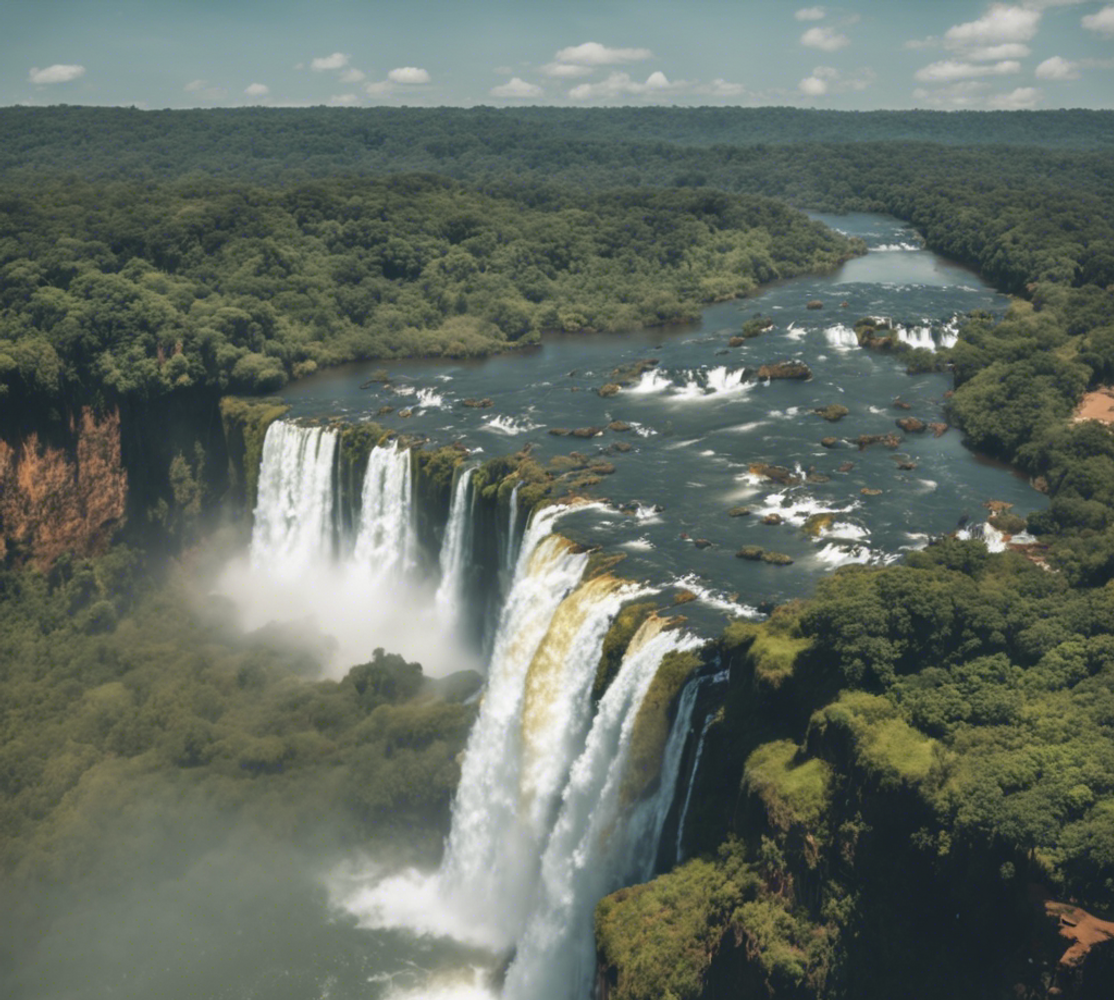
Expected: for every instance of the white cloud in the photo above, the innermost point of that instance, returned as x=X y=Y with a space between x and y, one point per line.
x=922 y=43
x=948 y=70
x=992 y=53
x=257 y=90
x=516 y=87
x=620 y=84
x=1016 y=100
x=813 y=86
x=566 y=70
x=829 y=80
x=595 y=54
x=204 y=91
x=380 y=87
x=1002 y=23
x=721 y=88
x=409 y=75
x=825 y=38
x=351 y=76
x=810 y=14
x=338 y=60
x=1058 y=68
x=1102 y=21
x=343 y=99
x=58 y=73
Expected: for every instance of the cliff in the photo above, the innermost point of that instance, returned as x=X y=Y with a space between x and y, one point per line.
x=65 y=496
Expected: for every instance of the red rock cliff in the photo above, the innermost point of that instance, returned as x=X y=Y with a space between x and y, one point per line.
x=54 y=499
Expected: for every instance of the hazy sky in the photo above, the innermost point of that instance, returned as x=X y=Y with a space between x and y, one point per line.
x=863 y=55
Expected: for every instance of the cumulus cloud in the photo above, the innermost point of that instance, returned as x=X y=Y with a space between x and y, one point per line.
x=566 y=70
x=721 y=88
x=829 y=80
x=1058 y=68
x=813 y=86
x=949 y=70
x=1102 y=21
x=343 y=99
x=338 y=60
x=1002 y=23
x=621 y=84
x=257 y=90
x=595 y=54
x=992 y=53
x=351 y=76
x=409 y=75
x=379 y=87
x=1016 y=100
x=922 y=43
x=58 y=73
x=516 y=87
x=824 y=38
x=810 y=14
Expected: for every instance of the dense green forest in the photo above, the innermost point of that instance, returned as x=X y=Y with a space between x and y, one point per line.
x=900 y=759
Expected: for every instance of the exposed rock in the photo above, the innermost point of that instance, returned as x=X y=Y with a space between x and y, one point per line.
x=478 y=404
x=911 y=425
x=736 y=341
x=814 y=304
x=58 y=499
x=819 y=523
x=906 y=466
x=777 y=558
x=560 y=432
x=702 y=543
x=738 y=512
x=846 y=467
x=832 y=412
x=611 y=389
x=621 y=446
x=376 y=376
x=844 y=304
x=772 y=519
x=900 y=404
x=752 y=552
x=829 y=442
x=785 y=369
x=618 y=426
x=753 y=327
x=405 y=413
x=817 y=477
x=949 y=394
x=587 y=432
x=1090 y=948
x=684 y=597
x=631 y=373
x=867 y=491
x=777 y=473
x=384 y=410
x=938 y=429
x=601 y=468
x=998 y=506
x=889 y=440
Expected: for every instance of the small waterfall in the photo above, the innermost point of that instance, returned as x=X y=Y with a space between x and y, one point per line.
x=678 y=854
x=294 y=511
x=723 y=379
x=386 y=543
x=512 y=527
x=841 y=336
x=454 y=549
x=917 y=336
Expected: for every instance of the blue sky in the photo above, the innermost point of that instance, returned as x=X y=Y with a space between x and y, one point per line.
x=863 y=55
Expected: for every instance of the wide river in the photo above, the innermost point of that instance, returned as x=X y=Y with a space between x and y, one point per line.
x=697 y=427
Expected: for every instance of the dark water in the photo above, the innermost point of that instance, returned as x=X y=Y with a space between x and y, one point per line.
x=696 y=433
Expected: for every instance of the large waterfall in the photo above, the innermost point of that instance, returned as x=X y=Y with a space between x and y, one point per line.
x=540 y=830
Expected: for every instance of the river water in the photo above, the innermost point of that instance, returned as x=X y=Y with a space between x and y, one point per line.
x=698 y=426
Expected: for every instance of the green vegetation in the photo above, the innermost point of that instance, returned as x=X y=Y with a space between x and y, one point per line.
x=793 y=790
x=615 y=643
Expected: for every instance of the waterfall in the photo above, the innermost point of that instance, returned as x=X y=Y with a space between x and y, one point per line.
x=454 y=548
x=511 y=528
x=587 y=854
x=294 y=511
x=678 y=856
x=386 y=543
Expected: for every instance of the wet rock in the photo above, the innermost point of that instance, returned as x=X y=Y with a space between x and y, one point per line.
x=702 y=543
x=868 y=491
x=911 y=425
x=601 y=468
x=753 y=327
x=906 y=466
x=684 y=597
x=998 y=506
x=846 y=467
x=384 y=410
x=611 y=389
x=776 y=473
x=772 y=519
x=829 y=442
x=560 y=432
x=721 y=353
x=817 y=477
x=379 y=376
x=478 y=404
x=751 y=552
x=949 y=394
x=621 y=446
x=618 y=426
x=631 y=373
x=658 y=508
x=777 y=558
x=587 y=432
x=738 y=512
x=405 y=413
x=900 y=404
x=938 y=429
x=844 y=304
x=832 y=412
x=889 y=440
x=785 y=369
x=736 y=341
x=819 y=523
x=814 y=304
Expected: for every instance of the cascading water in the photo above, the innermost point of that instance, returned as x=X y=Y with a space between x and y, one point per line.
x=678 y=853
x=453 y=562
x=294 y=510
x=386 y=543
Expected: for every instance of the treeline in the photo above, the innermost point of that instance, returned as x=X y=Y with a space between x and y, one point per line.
x=137 y=289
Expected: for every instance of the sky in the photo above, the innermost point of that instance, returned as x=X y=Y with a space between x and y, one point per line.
x=863 y=55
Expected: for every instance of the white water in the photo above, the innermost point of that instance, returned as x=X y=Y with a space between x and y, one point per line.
x=294 y=511
x=450 y=592
x=386 y=543
x=512 y=527
x=679 y=854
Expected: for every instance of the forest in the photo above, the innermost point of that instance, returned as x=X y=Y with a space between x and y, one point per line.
x=941 y=729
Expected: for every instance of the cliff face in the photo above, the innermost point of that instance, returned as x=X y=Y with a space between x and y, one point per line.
x=69 y=496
